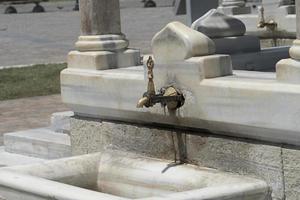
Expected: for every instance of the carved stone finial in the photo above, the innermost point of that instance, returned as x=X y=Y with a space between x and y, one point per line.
x=215 y=24
x=178 y=42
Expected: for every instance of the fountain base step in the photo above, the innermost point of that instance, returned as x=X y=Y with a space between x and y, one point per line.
x=11 y=159
x=39 y=143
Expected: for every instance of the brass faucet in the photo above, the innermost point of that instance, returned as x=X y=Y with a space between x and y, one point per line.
x=168 y=96
x=271 y=24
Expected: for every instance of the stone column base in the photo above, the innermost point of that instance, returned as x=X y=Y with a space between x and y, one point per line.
x=101 y=60
x=102 y=42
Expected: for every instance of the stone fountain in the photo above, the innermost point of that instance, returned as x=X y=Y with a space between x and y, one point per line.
x=182 y=125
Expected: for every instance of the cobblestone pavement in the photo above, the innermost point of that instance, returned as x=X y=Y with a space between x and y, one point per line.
x=28 y=38
x=27 y=113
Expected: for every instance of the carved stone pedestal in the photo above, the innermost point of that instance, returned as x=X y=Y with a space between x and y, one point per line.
x=101 y=44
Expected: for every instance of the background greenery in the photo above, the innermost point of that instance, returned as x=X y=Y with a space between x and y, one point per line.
x=37 y=80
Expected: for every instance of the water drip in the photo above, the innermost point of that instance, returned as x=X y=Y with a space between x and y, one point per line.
x=179 y=143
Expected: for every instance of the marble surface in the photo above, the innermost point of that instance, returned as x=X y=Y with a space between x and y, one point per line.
x=236 y=105
x=264 y=60
x=40 y=143
x=237 y=44
x=109 y=42
x=215 y=24
x=60 y=122
x=123 y=175
x=245 y=157
x=288 y=71
x=177 y=42
x=100 y=17
x=101 y=60
x=239 y=3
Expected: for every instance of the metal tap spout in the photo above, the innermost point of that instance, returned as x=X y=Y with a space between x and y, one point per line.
x=271 y=24
x=142 y=102
x=168 y=96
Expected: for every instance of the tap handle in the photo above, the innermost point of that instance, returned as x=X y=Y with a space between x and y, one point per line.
x=261 y=10
x=151 y=86
x=150 y=66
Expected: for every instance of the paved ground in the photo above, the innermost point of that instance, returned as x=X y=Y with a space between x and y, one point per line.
x=27 y=113
x=28 y=38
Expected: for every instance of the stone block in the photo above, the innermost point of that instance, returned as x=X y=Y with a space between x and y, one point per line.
x=95 y=136
x=177 y=42
x=288 y=71
x=11 y=159
x=238 y=156
x=263 y=60
x=191 y=72
x=236 y=45
x=40 y=143
x=101 y=60
x=210 y=104
x=291 y=168
x=60 y=122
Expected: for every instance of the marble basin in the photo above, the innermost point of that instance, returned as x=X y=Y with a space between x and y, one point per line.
x=118 y=175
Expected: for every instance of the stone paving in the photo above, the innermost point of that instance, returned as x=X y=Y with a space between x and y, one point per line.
x=27 y=113
x=28 y=38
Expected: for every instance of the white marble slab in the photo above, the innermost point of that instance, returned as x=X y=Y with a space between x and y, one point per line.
x=243 y=104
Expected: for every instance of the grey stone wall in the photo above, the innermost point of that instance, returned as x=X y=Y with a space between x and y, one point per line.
x=278 y=165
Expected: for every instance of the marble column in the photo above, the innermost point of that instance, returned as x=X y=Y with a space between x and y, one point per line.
x=100 y=26
x=288 y=70
x=101 y=44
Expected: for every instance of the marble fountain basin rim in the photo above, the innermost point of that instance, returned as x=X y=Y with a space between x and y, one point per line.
x=118 y=175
